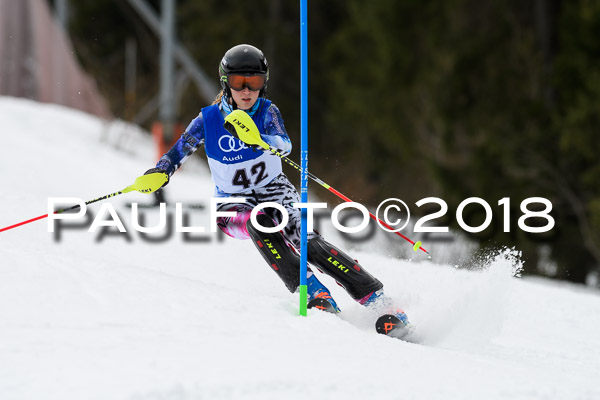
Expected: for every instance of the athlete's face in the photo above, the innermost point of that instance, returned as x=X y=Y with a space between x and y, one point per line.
x=245 y=98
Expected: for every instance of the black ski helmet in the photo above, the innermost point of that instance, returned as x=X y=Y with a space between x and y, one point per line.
x=243 y=59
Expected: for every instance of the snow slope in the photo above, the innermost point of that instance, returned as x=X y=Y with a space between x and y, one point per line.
x=117 y=317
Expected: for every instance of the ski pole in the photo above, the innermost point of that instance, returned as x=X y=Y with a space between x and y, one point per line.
x=241 y=125
x=144 y=184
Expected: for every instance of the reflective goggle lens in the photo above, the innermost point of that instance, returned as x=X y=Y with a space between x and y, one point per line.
x=252 y=82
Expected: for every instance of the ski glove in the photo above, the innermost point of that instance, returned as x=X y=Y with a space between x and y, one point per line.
x=155 y=170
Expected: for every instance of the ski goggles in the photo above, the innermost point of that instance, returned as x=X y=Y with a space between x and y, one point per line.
x=252 y=82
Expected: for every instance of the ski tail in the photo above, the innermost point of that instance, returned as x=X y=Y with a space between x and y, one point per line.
x=322 y=304
x=394 y=325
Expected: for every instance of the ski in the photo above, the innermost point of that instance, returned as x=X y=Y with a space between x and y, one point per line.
x=391 y=325
x=387 y=324
x=321 y=304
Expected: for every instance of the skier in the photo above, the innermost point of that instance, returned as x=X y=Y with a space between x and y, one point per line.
x=242 y=171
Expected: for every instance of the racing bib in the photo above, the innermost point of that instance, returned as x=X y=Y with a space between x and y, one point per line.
x=234 y=166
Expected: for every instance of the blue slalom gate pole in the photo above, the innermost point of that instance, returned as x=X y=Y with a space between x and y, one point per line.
x=303 y=151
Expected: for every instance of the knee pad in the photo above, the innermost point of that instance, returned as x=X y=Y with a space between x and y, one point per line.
x=346 y=271
x=276 y=252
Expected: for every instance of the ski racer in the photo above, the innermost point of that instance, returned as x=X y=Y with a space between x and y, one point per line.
x=242 y=171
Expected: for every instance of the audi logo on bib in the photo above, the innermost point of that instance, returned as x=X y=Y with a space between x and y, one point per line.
x=228 y=144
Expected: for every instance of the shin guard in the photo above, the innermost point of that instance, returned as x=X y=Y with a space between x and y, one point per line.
x=346 y=271
x=276 y=252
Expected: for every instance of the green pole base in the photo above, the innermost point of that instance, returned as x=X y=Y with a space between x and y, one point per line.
x=303 y=299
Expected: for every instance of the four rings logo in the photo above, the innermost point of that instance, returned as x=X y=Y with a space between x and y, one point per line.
x=231 y=144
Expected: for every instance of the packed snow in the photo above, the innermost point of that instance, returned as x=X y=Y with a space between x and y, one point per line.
x=110 y=315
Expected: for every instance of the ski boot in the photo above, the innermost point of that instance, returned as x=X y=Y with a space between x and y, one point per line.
x=319 y=296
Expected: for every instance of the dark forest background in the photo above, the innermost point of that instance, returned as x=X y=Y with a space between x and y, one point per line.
x=409 y=99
